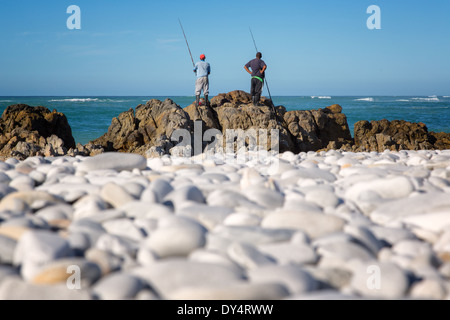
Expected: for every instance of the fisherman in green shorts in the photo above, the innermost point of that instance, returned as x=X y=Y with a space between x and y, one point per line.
x=258 y=68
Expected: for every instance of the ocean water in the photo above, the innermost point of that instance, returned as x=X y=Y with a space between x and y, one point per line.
x=90 y=117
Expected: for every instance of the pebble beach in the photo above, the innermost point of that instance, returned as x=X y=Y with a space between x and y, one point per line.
x=313 y=225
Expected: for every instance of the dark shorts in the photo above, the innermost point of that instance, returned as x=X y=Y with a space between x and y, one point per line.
x=256 y=87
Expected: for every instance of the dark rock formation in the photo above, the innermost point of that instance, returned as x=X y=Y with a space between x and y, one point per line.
x=148 y=130
x=393 y=135
x=440 y=140
x=150 y=126
x=315 y=130
x=29 y=131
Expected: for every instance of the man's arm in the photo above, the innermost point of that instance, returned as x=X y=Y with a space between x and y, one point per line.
x=263 y=69
x=245 y=67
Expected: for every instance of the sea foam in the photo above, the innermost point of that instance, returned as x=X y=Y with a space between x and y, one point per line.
x=365 y=99
x=321 y=97
x=75 y=100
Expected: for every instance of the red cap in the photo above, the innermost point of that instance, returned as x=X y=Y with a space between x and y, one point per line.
x=202 y=57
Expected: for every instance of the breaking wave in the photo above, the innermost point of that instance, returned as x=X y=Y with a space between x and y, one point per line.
x=321 y=97
x=365 y=99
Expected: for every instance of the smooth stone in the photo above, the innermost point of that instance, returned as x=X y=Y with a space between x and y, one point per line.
x=107 y=215
x=264 y=197
x=116 y=195
x=5 y=190
x=365 y=236
x=428 y=289
x=289 y=253
x=107 y=261
x=123 y=227
x=442 y=245
x=117 y=245
x=330 y=278
x=75 y=180
x=61 y=270
x=146 y=225
x=4 y=166
x=87 y=206
x=323 y=295
x=60 y=171
x=412 y=248
x=8 y=271
x=393 y=282
x=168 y=275
x=322 y=197
x=28 y=197
x=117 y=286
x=113 y=161
x=78 y=241
x=12 y=161
x=343 y=251
x=250 y=177
x=253 y=235
x=148 y=195
x=247 y=256
x=314 y=174
x=55 y=212
x=146 y=256
x=396 y=211
x=134 y=189
x=36 y=248
x=208 y=216
x=63 y=188
x=242 y=219
x=92 y=229
x=229 y=292
x=27 y=221
x=388 y=188
x=178 y=237
x=294 y=278
x=391 y=235
x=7 y=247
x=16 y=289
x=314 y=224
x=4 y=178
x=214 y=257
x=436 y=220
x=186 y=193
x=13 y=232
x=161 y=188
x=155 y=163
x=228 y=198
x=140 y=209
x=216 y=178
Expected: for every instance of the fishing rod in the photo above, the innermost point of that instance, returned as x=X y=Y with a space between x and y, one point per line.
x=186 y=42
x=267 y=85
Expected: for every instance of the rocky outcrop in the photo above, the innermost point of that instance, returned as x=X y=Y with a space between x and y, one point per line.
x=397 y=135
x=149 y=126
x=440 y=140
x=315 y=130
x=29 y=131
x=148 y=130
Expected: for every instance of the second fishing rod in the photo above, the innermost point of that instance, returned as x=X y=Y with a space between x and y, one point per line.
x=265 y=80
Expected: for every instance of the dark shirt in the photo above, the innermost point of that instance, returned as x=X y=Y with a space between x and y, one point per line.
x=255 y=66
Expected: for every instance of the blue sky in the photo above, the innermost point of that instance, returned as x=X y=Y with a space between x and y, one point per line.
x=311 y=47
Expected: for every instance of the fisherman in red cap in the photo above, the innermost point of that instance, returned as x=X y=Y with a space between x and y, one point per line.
x=203 y=69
